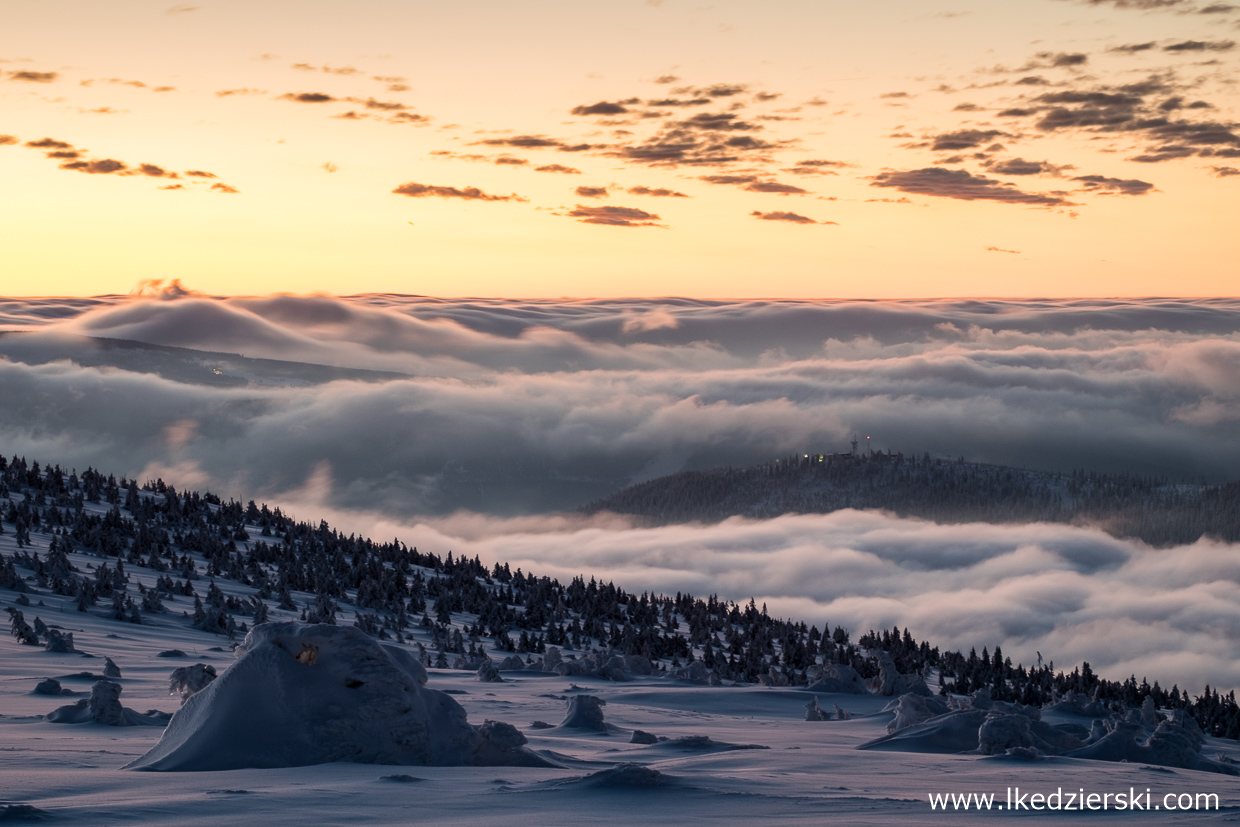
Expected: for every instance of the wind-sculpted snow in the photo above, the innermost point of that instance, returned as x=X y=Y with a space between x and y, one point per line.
x=511 y=407
x=312 y=694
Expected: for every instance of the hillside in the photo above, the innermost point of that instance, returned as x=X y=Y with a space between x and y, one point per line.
x=946 y=491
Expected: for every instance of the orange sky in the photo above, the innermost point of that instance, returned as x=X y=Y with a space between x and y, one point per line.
x=908 y=148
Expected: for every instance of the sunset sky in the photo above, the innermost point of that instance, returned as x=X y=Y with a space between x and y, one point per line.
x=635 y=148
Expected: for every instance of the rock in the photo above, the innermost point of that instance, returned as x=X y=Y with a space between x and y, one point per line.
x=643 y=737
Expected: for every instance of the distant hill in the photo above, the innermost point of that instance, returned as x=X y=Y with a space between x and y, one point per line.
x=947 y=491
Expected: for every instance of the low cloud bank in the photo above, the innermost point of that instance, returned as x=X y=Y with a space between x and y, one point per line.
x=510 y=407
x=1072 y=594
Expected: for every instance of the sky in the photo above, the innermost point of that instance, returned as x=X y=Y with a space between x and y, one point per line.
x=660 y=148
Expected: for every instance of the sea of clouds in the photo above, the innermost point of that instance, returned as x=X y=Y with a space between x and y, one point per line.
x=508 y=411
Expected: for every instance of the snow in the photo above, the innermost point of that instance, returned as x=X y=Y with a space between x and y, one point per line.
x=303 y=694
x=679 y=750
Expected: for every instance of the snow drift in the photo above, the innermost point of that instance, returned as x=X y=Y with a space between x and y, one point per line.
x=302 y=694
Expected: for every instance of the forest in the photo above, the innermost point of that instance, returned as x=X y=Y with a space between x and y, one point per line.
x=1152 y=509
x=458 y=612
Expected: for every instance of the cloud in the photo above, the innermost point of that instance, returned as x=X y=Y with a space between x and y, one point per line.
x=1001 y=250
x=775 y=187
x=1224 y=172
x=659 y=192
x=509 y=160
x=787 y=217
x=103 y=166
x=592 y=192
x=1072 y=594
x=963 y=185
x=308 y=97
x=1140 y=110
x=816 y=166
x=198 y=173
x=1139 y=5
x=1019 y=166
x=665 y=102
x=27 y=76
x=656 y=318
x=1134 y=48
x=48 y=143
x=1113 y=186
x=224 y=93
x=224 y=188
x=611 y=216
x=525 y=142
x=181 y=9
x=415 y=190
x=965 y=139
x=1201 y=46
x=560 y=168
x=7 y=140
x=604 y=108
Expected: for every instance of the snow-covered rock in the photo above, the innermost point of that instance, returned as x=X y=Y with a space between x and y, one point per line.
x=302 y=694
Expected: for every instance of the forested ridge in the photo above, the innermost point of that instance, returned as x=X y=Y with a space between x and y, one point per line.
x=1152 y=509
x=152 y=554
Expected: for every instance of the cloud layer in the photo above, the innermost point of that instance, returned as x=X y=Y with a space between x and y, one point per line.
x=1071 y=594
x=512 y=407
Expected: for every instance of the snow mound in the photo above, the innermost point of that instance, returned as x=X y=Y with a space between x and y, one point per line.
x=641 y=736
x=1175 y=742
x=624 y=775
x=840 y=679
x=585 y=712
x=302 y=694
x=702 y=743
x=982 y=725
x=51 y=686
x=104 y=707
x=912 y=709
x=602 y=665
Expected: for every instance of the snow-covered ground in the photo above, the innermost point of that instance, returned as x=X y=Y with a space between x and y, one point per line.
x=802 y=772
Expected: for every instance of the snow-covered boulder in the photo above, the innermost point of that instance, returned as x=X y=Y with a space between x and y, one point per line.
x=836 y=677
x=302 y=694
